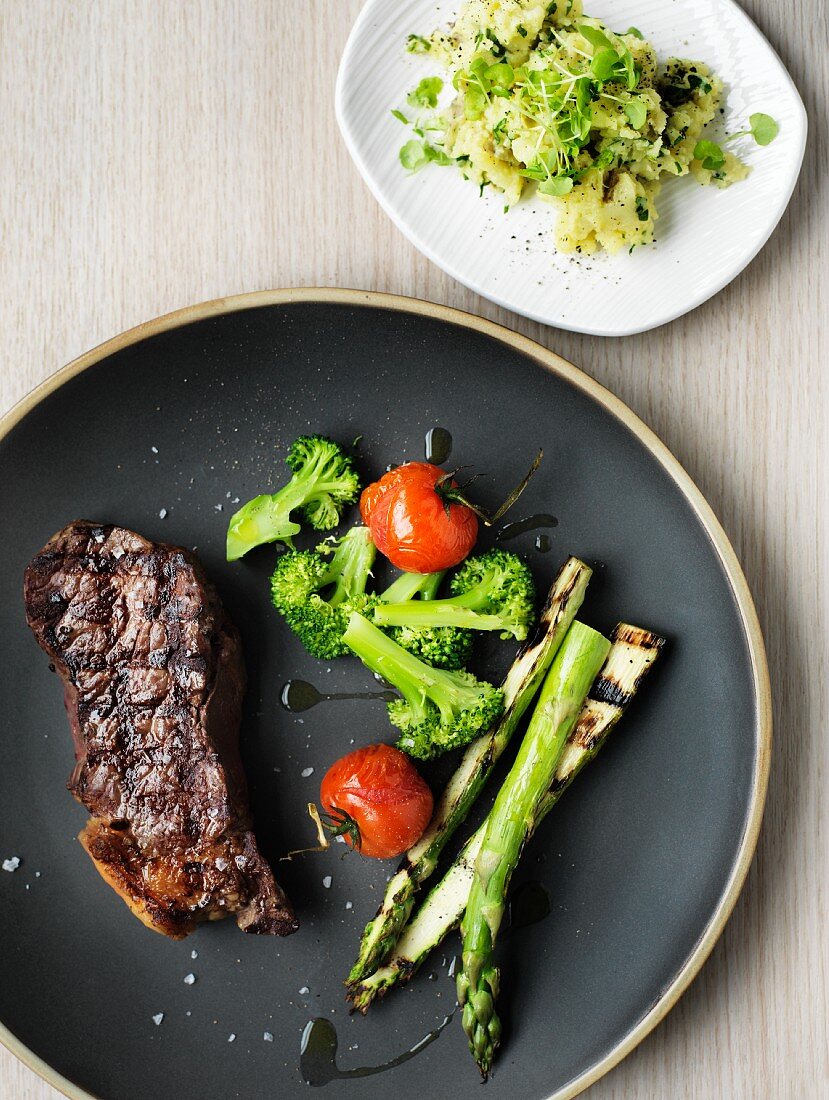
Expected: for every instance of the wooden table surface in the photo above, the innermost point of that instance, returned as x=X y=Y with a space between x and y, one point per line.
x=158 y=153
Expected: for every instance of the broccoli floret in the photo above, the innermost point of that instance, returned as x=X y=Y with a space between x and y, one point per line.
x=439 y=709
x=324 y=481
x=316 y=596
x=439 y=646
x=493 y=591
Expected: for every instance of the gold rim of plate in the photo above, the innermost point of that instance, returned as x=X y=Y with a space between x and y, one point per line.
x=577 y=378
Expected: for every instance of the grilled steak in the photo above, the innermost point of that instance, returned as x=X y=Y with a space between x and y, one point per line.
x=153 y=683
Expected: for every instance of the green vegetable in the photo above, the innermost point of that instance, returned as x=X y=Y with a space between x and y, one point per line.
x=519 y=687
x=510 y=822
x=417 y=154
x=635 y=32
x=426 y=93
x=556 y=185
x=439 y=709
x=415 y=43
x=637 y=113
x=709 y=154
x=492 y=591
x=642 y=208
x=439 y=646
x=316 y=596
x=400 y=117
x=763 y=128
x=324 y=481
x=632 y=653
x=612 y=60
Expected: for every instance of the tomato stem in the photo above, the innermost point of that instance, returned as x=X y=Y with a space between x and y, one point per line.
x=456 y=494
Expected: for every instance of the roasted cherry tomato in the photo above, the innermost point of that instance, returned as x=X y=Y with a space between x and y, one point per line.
x=413 y=520
x=377 y=800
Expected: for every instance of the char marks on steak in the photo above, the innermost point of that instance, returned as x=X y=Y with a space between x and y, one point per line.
x=153 y=683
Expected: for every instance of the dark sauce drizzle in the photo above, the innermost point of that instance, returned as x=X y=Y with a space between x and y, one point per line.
x=299 y=695
x=529 y=903
x=543 y=544
x=437 y=445
x=318 y=1053
x=530 y=523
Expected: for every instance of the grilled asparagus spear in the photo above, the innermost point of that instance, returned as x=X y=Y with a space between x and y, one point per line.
x=511 y=822
x=632 y=653
x=520 y=685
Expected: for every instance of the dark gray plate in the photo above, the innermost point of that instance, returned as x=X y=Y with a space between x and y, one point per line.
x=643 y=859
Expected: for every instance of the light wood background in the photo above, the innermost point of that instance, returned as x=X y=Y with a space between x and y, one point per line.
x=158 y=153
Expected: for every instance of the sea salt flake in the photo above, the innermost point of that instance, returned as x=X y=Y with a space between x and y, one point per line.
x=194 y=954
x=11 y=864
x=154 y=450
x=162 y=514
x=304 y=990
x=231 y=1037
x=349 y=905
x=268 y=1037
x=159 y=1016
x=327 y=882
x=306 y=772
x=189 y=979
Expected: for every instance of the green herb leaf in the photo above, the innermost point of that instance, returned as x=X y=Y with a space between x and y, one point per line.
x=417 y=154
x=499 y=130
x=500 y=76
x=413 y=156
x=709 y=154
x=437 y=155
x=763 y=128
x=635 y=32
x=597 y=39
x=415 y=43
x=637 y=113
x=603 y=65
x=474 y=103
x=400 y=117
x=641 y=208
x=556 y=185
x=427 y=92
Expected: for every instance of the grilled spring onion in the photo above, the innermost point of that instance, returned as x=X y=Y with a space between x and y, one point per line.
x=510 y=822
x=520 y=685
x=632 y=653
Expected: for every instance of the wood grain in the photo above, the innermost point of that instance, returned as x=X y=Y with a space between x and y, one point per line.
x=159 y=153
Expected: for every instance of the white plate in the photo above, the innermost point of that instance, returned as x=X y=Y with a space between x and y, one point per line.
x=705 y=237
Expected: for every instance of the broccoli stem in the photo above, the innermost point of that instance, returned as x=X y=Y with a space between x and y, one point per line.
x=470 y=610
x=409 y=585
x=510 y=822
x=415 y=680
x=266 y=518
x=350 y=566
x=448 y=612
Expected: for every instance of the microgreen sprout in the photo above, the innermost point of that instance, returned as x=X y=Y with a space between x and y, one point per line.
x=762 y=128
x=426 y=93
x=415 y=155
x=612 y=62
x=400 y=116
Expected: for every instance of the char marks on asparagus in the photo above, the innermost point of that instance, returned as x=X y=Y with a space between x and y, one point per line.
x=153 y=685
